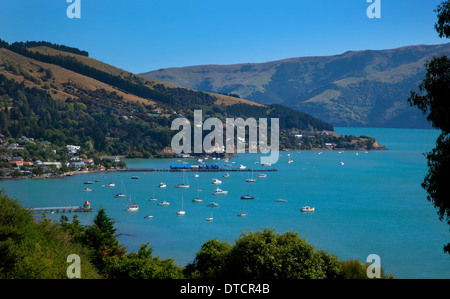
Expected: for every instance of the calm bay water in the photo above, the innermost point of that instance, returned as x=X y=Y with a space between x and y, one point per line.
x=372 y=204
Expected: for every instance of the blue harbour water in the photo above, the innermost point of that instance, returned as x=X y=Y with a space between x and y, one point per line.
x=373 y=204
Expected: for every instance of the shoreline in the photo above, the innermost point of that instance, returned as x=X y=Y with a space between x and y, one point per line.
x=72 y=173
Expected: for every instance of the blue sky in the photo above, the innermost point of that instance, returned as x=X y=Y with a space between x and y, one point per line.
x=144 y=35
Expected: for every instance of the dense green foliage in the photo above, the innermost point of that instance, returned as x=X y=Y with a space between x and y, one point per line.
x=434 y=101
x=31 y=250
x=39 y=250
x=264 y=255
x=94 y=125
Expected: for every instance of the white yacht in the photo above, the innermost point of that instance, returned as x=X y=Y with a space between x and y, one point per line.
x=219 y=191
x=181 y=212
x=132 y=207
x=183 y=185
x=163 y=203
x=216 y=181
x=162 y=185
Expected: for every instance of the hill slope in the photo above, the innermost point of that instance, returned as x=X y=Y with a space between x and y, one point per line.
x=67 y=98
x=363 y=88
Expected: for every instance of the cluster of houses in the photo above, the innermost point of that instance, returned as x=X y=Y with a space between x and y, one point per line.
x=17 y=163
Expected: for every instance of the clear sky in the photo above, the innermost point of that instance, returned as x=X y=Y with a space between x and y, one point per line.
x=145 y=35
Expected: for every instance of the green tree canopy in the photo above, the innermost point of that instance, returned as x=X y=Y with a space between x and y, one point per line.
x=434 y=100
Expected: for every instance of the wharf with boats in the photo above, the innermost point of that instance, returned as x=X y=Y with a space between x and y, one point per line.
x=194 y=168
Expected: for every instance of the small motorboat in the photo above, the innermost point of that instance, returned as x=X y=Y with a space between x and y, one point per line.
x=162 y=185
x=307 y=209
x=216 y=181
x=148 y=217
x=219 y=191
x=163 y=203
x=212 y=205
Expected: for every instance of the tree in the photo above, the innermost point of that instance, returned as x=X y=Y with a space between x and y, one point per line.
x=263 y=255
x=443 y=24
x=433 y=100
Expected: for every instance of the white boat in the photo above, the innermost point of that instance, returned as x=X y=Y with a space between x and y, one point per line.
x=163 y=203
x=250 y=180
x=162 y=185
x=216 y=181
x=219 y=191
x=132 y=207
x=196 y=175
x=181 y=212
x=183 y=185
x=266 y=164
x=210 y=218
x=110 y=185
x=153 y=198
x=247 y=196
x=290 y=161
x=88 y=183
x=307 y=209
x=212 y=204
x=148 y=217
x=281 y=199
x=242 y=214
x=262 y=175
x=135 y=177
x=123 y=192
x=226 y=175
x=197 y=199
x=87 y=190
x=342 y=163
x=242 y=167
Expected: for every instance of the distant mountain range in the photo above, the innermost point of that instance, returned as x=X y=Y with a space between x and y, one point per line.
x=357 y=88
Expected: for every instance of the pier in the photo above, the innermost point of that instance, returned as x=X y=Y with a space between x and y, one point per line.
x=193 y=170
x=85 y=208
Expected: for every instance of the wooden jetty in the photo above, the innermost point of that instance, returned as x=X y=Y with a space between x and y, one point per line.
x=85 y=208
